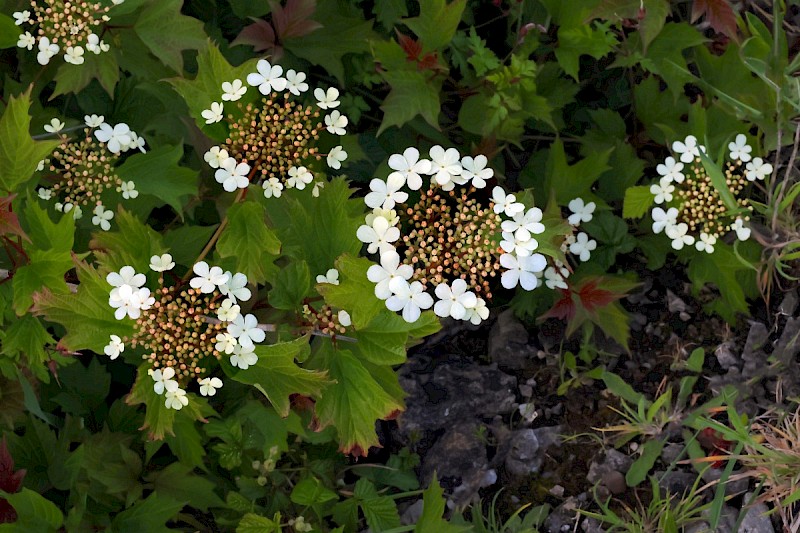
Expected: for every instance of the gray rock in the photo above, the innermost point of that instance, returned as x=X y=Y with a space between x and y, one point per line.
x=412 y=513
x=610 y=460
x=737 y=486
x=726 y=355
x=789 y=303
x=755 y=520
x=591 y=525
x=508 y=343
x=522 y=458
x=675 y=482
x=615 y=482
x=564 y=517
x=671 y=452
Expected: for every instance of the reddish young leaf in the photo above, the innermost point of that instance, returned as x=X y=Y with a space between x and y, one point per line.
x=411 y=47
x=712 y=441
x=261 y=37
x=564 y=308
x=9 y=223
x=591 y=297
x=294 y=19
x=10 y=481
x=719 y=14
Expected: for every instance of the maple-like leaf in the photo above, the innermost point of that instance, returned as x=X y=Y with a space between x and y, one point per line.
x=10 y=482
x=719 y=14
x=291 y=20
x=9 y=223
x=261 y=37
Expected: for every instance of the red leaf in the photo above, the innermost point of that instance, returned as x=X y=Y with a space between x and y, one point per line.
x=713 y=442
x=429 y=61
x=719 y=14
x=294 y=19
x=10 y=482
x=564 y=308
x=260 y=36
x=9 y=223
x=591 y=297
x=411 y=47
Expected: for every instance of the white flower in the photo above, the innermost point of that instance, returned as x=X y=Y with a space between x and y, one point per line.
x=102 y=217
x=209 y=386
x=77 y=212
x=679 y=236
x=475 y=169
x=581 y=212
x=318 y=186
x=757 y=169
x=232 y=176
x=379 y=235
x=454 y=300
x=216 y=156
x=296 y=82
x=93 y=121
x=233 y=90
x=671 y=169
x=163 y=380
x=299 y=177
x=740 y=149
x=225 y=342
x=26 y=40
x=331 y=276
x=136 y=142
x=386 y=194
x=272 y=187
x=706 y=243
x=95 y=45
x=512 y=245
x=176 y=399
x=688 y=149
x=114 y=347
x=664 y=219
x=344 y=318
x=207 y=278
x=389 y=214
x=115 y=137
x=663 y=190
x=477 y=313
x=742 y=231
x=445 y=164
x=46 y=50
x=161 y=263
x=336 y=123
x=44 y=194
x=40 y=166
x=126 y=276
x=228 y=311
x=246 y=331
x=383 y=275
x=555 y=276
x=567 y=242
x=327 y=99
x=21 y=17
x=74 y=55
x=268 y=78
x=410 y=166
x=236 y=287
x=522 y=270
x=54 y=127
x=335 y=157
x=506 y=203
x=243 y=357
x=128 y=190
x=212 y=114
x=583 y=246
x=523 y=225
x=410 y=298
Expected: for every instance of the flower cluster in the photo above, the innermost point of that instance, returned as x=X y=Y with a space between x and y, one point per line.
x=451 y=242
x=273 y=140
x=81 y=170
x=71 y=26
x=694 y=212
x=578 y=245
x=184 y=331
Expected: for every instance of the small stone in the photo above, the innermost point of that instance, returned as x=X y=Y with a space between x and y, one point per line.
x=615 y=482
x=756 y=520
x=557 y=491
x=726 y=356
x=508 y=342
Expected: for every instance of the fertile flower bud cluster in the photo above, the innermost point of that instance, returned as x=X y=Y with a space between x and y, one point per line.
x=69 y=26
x=451 y=242
x=184 y=331
x=83 y=169
x=694 y=212
x=273 y=141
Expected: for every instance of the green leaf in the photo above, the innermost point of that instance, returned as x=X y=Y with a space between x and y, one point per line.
x=27 y=337
x=19 y=153
x=310 y=491
x=291 y=286
x=594 y=40
x=639 y=469
x=178 y=479
x=655 y=15
x=158 y=174
x=413 y=93
x=665 y=54
x=277 y=376
x=383 y=341
x=186 y=242
x=573 y=181
x=380 y=512
x=9 y=32
x=388 y=12
x=148 y=515
x=34 y=512
x=723 y=269
x=74 y=78
x=167 y=32
x=432 y=511
x=638 y=200
x=437 y=22
x=250 y=241
x=45 y=270
x=355 y=293
x=612 y=233
x=132 y=244
x=252 y=523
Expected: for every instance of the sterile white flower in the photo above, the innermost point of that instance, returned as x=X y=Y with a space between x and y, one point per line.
x=93 y=121
x=477 y=313
x=162 y=380
x=410 y=166
x=454 y=299
x=243 y=357
x=318 y=186
x=21 y=17
x=671 y=169
x=102 y=217
x=475 y=169
x=335 y=157
x=336 y=123
x=520 y=247
x=40 y=166
x=327 y=99
x=386 y=194
x=54 y=127
x=246 y=331
x=46 y=50
x=742 y=231
x=555 y=276
x=233 y=90
x=663 y=190
x=213 y=113
x=176 y=399
x=272 y=188
x=209 y=386
x=228 y=310
x=505 y=203
x=114 y=347
x=379 y=235
x=740 y=149
x=44 y=194
x=236 y=287
x=389 y=214
x=344 y=318
x=93 y=44
x=523 y=225
x=688 y=149
x=77 y=212
x=705 y=243
x=208 y=278
x=445 y=164
x=232 y=176
x=126 y=276
x=268 y=78
x=331 y=276
x=664 y=219
x=115 y=137
x=26 y=40
x=225 y=343
x=384 y=274
x=299 y=177
x=679 y=235
x=136 y=142
x=74 y=55
x=521 y=270
x=161 y=263
x=757 y=169
x=581 y=211
x=216 y=156
x=410 y=298
x=583 y=246
x=128 y=190
x=296 y=82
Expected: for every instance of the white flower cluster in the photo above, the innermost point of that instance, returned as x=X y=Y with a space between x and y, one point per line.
x=580 y=246
x=268 y=78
